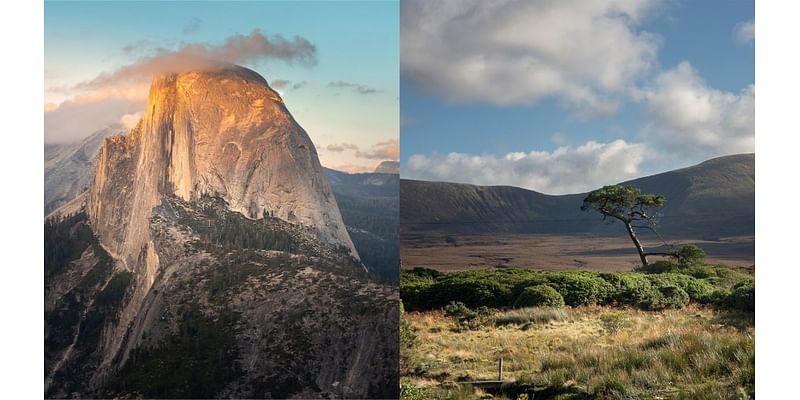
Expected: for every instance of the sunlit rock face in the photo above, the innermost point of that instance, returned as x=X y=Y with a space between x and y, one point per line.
x=222 y=132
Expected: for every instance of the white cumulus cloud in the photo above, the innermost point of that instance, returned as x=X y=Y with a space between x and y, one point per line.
x=583 y=53
x=693 y=119
x=564 y=170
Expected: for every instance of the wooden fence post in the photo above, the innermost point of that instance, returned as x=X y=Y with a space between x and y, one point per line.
x=500 y=370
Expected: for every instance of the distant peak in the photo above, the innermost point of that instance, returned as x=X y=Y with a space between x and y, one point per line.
x=388 y=167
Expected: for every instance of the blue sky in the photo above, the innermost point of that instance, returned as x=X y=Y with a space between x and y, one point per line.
x=674 y=51
x=355 y=42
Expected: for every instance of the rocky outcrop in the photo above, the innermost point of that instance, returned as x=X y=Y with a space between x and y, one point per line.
x=388 y=167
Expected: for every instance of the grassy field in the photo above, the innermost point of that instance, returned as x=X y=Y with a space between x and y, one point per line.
x=589 y=352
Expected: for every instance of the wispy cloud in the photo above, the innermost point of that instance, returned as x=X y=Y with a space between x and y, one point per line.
x=340 y=147
x=286 y=84
x=387 y=150
x=111 y=95
x=237 y=49
x=280 y=84
x=745 y=32
x=361 y=89
x=192 y=26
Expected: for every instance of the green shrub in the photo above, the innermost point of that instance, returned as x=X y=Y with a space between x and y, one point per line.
x=466 y=318
x=743 y=297
x=473 y=291
x=689 y=254
x=581 y=288
x=539 y=296
x=698 y=290
x=629 y=288
x=423 y=272
x=668 y=296
x=416 y=293
x=658 y=267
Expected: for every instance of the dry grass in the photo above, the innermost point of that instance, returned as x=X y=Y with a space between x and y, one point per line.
x=689 y=353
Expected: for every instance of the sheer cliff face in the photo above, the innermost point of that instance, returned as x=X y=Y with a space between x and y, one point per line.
x=222 y=133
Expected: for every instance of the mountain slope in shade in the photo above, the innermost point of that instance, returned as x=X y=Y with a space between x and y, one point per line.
x=69 y=168
x=712 y=199
x=370 y=206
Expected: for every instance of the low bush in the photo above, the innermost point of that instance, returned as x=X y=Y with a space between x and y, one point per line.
x=472 y=291
x=648 y=288
x=689 y=254
x=629 y=288
x=663 y=297
x=581 y=288
x=539 y=296
x=698 y=290
x=743 y=297
x=466 y=318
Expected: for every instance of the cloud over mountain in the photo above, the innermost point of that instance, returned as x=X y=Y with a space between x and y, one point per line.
x=387 y=150
x=236 y=49
x=111 y=95
x=564 y=170
x=696 y=120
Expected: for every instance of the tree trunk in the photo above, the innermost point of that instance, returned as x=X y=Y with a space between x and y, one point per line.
x=636 y=243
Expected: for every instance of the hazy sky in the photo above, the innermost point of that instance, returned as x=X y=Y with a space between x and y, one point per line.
x=334 y=63
x=565 y=96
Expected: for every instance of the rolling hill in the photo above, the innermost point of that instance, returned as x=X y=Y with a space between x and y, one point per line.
x=709 y=200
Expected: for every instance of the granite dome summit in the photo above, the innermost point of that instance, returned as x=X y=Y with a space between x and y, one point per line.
x=219 y=132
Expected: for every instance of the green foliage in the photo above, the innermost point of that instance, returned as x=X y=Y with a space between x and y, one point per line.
x=621 y=201
x=658 y=267
x=196 y=361
x=539 y=296
x=426 y=289
x=581 y=288
x=474 y=291
x=689 y=254
x=743 y=297
x=65 y=239
x=465 y=318
x=416 y=291
x=422 y=272
x=698 y=290
x=409 y=391
x=664 y=297
x=629 y=288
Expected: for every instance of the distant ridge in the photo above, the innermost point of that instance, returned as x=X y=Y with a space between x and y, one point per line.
x=388 y=167
x=709 y=200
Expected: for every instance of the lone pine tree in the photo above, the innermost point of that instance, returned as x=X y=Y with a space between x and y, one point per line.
x=628 y=205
